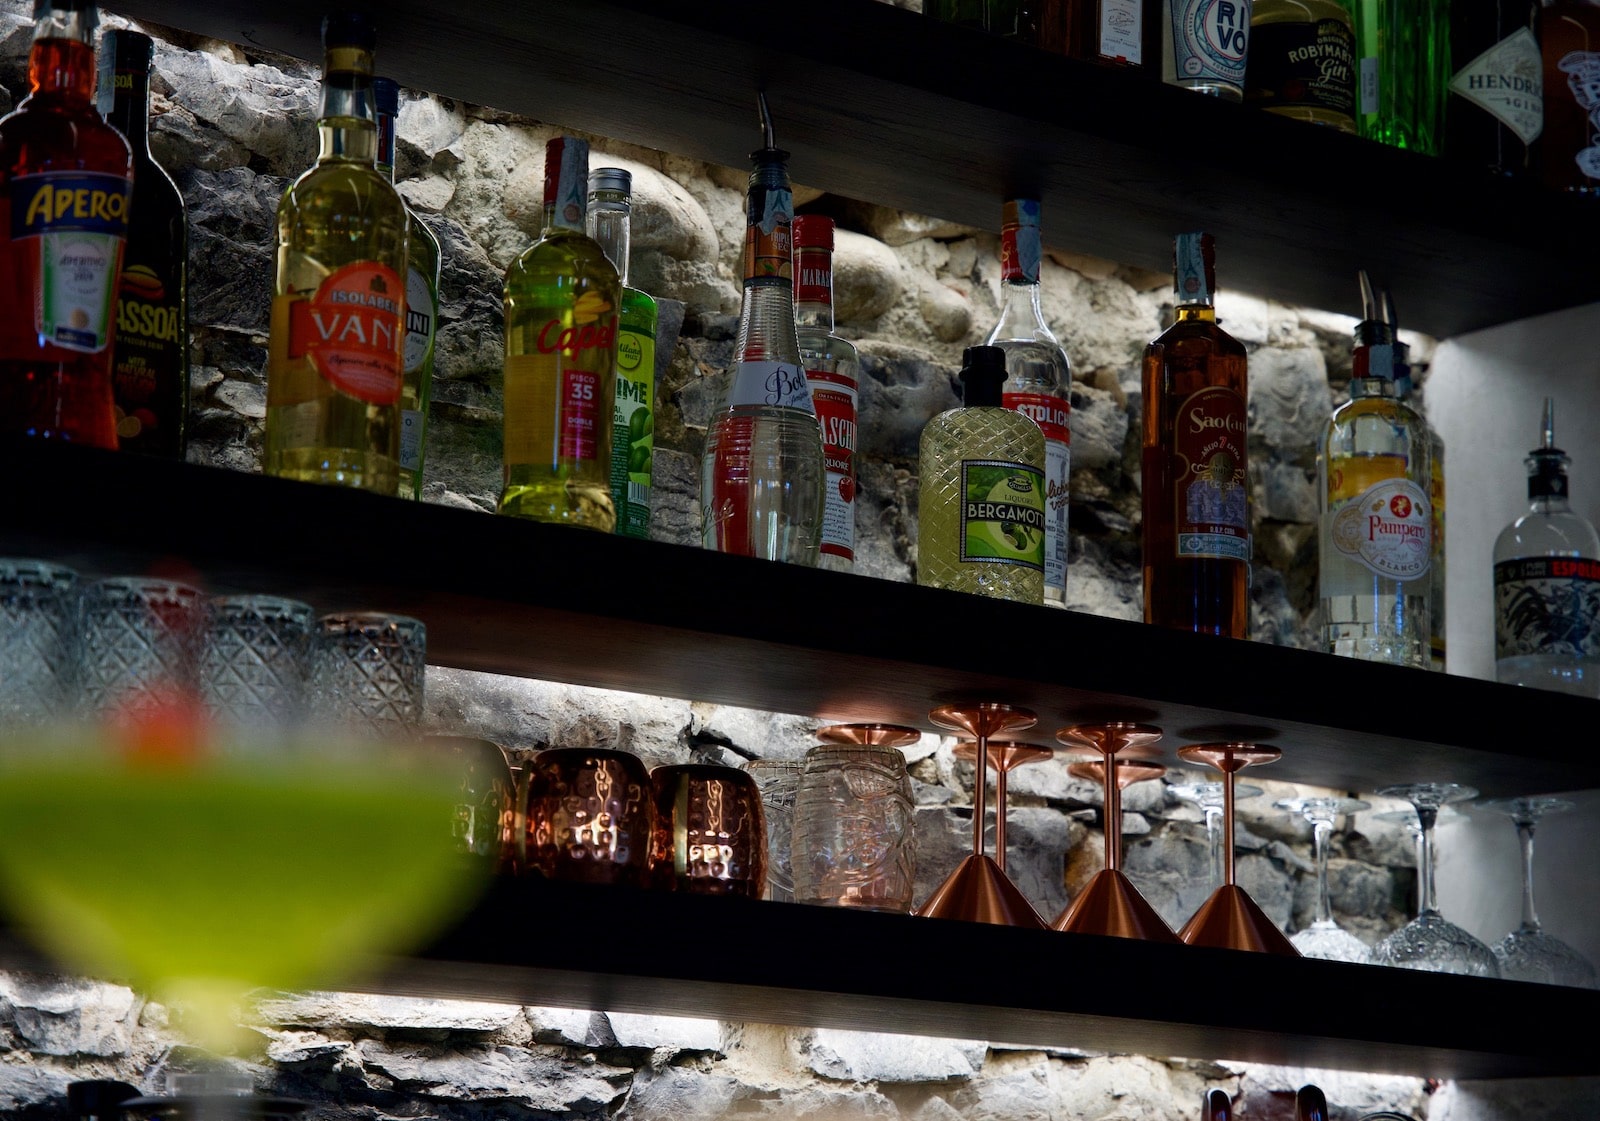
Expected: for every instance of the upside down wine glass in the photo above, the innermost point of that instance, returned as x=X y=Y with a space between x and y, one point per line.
x=1325 y=938
x=1528 y=953
x=1208 y=796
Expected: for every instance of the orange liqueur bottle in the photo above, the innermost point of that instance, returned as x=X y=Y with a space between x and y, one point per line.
x=65 y=181
x=1196 y=534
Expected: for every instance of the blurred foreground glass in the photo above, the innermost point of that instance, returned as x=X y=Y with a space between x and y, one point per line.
x=368 y=671
x=141 y=640
x=589 y=816
x=255 y=664
x=778 y=781
x=853 y=837
x=38 y=642
x=710 y=836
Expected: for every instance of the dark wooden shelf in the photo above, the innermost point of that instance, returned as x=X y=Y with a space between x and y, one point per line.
x=541 y=601
x=884 y=105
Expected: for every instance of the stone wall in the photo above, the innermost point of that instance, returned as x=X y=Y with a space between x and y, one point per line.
x=234 y=127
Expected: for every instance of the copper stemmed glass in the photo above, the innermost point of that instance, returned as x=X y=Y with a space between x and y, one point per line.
x=979 y=890
x=1229 y=918
x=1325 y=938
x=1109 y=903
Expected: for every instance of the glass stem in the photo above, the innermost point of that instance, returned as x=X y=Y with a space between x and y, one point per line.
x=1112 y=825
x=1427 y=900
x=1213 y=814
x=980 y=793
x=1321 y=830
x=1000 y=814
x=1530 y=920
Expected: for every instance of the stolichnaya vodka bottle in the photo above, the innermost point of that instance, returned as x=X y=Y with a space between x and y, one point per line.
x=1547 y=583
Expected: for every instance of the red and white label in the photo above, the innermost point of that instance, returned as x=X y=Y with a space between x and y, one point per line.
x=352 y=330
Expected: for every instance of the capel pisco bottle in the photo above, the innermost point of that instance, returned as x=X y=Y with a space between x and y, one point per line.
x=562 y=298
x=65 y=181
x=150 y=370
x=1195 y=488
x=335 y=358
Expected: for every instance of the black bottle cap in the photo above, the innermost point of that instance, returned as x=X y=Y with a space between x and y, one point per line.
x=983 y=372
x=127 y=49
x=1310 y=1104
x=99 y=1098
x=349 y=29
x=40 y=7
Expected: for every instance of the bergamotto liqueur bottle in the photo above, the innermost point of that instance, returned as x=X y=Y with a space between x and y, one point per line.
x=981 y=491
x=1038 y=377
x=335 y=359
x=1547 y=583
x=1374 y=473
x=761 y=475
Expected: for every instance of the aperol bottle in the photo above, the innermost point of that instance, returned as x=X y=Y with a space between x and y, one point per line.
x=66 y=177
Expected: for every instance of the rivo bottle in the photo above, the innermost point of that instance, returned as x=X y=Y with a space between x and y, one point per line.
x=150 y=370
x=65 y=181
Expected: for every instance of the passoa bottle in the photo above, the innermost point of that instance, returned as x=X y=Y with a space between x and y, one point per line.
x=1569 y=43
x=1374 y=473
x=1195 y=488
x=1547 y=583
x=150 y=364
x=422 y=307
x=335 y=359
x=833 y=369
x=610 y=224
x=65 y=179
x=762 y=473
x=1038 y=376
x=562 y=300
x=1494 y=110
x=981 y=491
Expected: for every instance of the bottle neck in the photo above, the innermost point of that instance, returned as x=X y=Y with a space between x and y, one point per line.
x=61 y=59
x=347 y=123
x=610 y=224
x=566 y=185
x=813 y=288
x=1547 y=480
x=122 y=92
x=384 y=155
x=1021 y=313
x=1205 y=313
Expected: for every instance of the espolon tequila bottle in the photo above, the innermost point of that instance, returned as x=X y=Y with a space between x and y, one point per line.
x=833 y=369
x=1374 y=472
x=335 y=359
x=762 y=472
x=1547 y=583
x=561 y=298
x=1195 y=489
x=65 y=179
x=981 y=491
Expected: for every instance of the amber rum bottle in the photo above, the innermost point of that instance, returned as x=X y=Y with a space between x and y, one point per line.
x=1195 y=489
x=562 y=301
x=65 y=180
x=150 y=370
x=335 y=357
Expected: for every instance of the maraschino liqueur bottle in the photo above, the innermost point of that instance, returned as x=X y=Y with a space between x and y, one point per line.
x=1195 y=489
x=562 y=298
x=1374 y=472
x=1038 y=377
x=762 y=473
x=335 y=359
x=1547 y=583
x=610 y=223
x=150 y=367
x=60 y=259
x=422 y=306
x=832 y=369
x=980 y=491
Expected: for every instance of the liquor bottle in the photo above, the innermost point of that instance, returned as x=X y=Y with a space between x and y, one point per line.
x=610 y=224
x=150 y=358
x=1569 y=42
x=1547 y=583
x=1402 y=71
x=761 y=477
x=1494 y=111
x=1125 y=34
x=59 y=264
x=1217 y=1106
x=422 y=307
x=1302 y=61
x=1205 y=45
x=832 y=369
x=1310 y=1104
x=562 y=301
x=1436 y=566
x=335 y=357
x=1374 y=471
x=1038 y=377
x=99 y=1099
x=980 y=491
x=1016 y=19
x=1195 y=492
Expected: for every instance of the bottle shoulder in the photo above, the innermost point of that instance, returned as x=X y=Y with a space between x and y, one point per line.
x=639 y=308
x=1196 y=335
x=60 y=135
x=334 y=185
x=568 y=253
x=1540 y=533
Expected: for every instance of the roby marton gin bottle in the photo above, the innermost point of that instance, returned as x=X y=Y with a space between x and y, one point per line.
x=832 y=370
x=761 y=475
x=1547 y=583
x=1374 y=475
x=1038 y=377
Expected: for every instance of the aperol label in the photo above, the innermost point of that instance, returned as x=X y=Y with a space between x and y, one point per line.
x=71 y=229
x=352 y=330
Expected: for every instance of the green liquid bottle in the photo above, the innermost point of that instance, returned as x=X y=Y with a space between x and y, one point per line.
x=981 y=491
x=633 y=434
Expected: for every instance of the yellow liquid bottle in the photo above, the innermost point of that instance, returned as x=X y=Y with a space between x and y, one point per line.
x=334 y=362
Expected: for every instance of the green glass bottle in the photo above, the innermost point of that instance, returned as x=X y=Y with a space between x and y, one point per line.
x=1403 y=48
x=610 y=223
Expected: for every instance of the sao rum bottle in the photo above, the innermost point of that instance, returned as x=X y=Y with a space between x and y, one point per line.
x=335 y=355
x=422 y=306
x=610 y=223
x=1195 y=489
x=65 y=180
x=150 y=368
x=561 y=310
